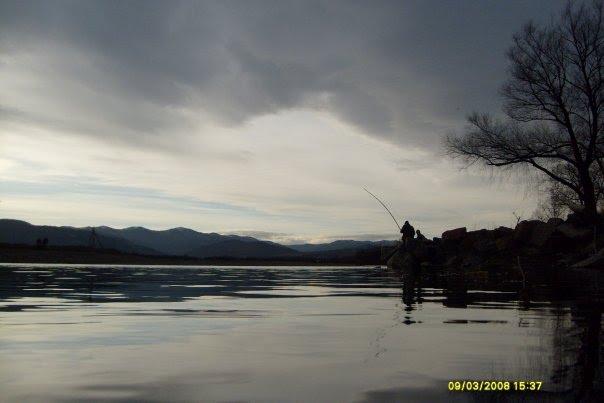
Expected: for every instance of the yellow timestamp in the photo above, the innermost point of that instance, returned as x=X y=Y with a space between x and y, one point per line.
x=494 y=386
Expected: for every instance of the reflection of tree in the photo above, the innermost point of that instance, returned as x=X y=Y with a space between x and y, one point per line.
x=571 y=331
x=587 y=367
x=576 y=341
x=561 y=346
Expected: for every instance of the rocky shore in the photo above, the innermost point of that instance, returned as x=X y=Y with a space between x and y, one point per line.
x=533 y=250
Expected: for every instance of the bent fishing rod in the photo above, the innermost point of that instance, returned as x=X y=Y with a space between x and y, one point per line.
x=382 y=203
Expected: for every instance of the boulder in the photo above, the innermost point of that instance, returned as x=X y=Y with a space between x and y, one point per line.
x=524 y=230
x=555 y=221
x=453 y=262
x=477 y=276
x=472 y=238
x=424 y=251
x=503 y=243
x=542 y=234
x=404 y=261
x=533 y=233
x=481 y=241
x=574 y=219
x=472 y=262
x=593 y=262
x=501 y=232
x=485 y=246
x=454 y=234
x=575 y=233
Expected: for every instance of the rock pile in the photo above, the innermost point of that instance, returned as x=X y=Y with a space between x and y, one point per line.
x=533 y=246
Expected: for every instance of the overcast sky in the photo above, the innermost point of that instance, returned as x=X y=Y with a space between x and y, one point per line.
x=258 y=117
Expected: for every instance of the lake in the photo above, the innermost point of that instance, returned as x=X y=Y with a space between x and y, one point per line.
x=328 y=334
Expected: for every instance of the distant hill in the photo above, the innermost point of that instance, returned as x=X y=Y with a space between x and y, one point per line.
x=21 y=232
x=183 y=241
x=339 y=246
x=140 y=240
x=176 y=241
x=179 y=242
x=243 y=249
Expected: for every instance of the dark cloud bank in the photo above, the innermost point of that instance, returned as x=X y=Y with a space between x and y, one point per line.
x=405 y=71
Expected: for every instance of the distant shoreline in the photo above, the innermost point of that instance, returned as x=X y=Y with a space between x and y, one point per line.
x=19 y=254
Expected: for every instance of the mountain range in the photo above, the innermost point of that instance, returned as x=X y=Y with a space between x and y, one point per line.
x=338 y=245
x=174 y=242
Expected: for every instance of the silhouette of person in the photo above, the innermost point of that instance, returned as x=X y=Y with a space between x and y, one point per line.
x=408 y=231
x=420 y=236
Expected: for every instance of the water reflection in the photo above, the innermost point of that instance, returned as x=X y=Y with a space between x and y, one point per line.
x=161 y=283
x=110 y=333
x=587 y=319
x=575 y=329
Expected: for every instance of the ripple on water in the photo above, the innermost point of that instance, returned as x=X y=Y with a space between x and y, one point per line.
x=266 y=334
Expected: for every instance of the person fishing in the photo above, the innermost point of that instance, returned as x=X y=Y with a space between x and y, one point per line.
x=420 y=236
x=408 y=231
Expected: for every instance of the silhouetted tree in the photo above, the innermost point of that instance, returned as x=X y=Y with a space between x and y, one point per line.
x=555 y=205
x=554 y=101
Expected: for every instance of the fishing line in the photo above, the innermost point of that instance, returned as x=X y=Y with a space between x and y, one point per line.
x=387 y=209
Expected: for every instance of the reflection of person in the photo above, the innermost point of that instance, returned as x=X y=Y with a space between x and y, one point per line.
x=420 y=236
x=408 y=231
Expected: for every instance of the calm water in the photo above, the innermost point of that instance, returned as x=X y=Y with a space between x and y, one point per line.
x=140 y=333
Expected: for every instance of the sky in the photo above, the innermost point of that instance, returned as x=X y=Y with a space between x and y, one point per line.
x=262 y=118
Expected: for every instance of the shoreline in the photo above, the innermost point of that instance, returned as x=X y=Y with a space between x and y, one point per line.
x=27 y=254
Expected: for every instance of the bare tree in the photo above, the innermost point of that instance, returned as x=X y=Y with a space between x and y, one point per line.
x=553 y=206
x=554 y=99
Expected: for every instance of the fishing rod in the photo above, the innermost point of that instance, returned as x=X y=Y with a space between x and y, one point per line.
x=387 y=209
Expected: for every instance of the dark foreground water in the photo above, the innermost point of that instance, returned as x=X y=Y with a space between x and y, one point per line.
x=140 y=333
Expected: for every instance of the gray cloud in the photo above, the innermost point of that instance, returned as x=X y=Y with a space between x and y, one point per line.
x=402 y=71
